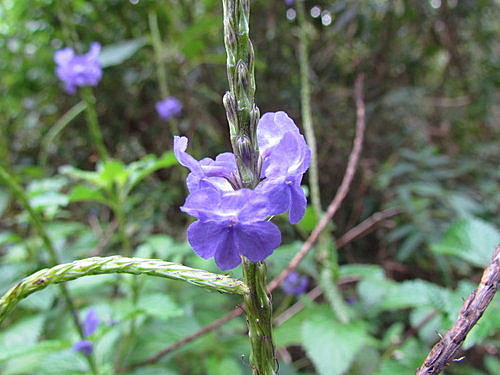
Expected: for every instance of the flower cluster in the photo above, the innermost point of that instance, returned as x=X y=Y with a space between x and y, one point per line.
x=90 y=324
x=168 y=108
x=233 y=221
x=78 y=70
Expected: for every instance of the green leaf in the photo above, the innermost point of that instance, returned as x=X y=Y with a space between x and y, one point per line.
x=160 y=306
x=82 y=193
x=113 y=171
x=332 y=346
x=473 y=240
x=309 y=220
x=117 y=53
x=148 y=165
x=222 y=366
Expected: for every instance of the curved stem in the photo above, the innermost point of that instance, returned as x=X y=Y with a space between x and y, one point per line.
x=117 y=264
x=58 y=127
x=93 y=123
x=37 y=223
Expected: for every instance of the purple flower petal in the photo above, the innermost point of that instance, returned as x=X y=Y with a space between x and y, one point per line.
x=78 y=70
x=168 y=108
x=295 y=284
x=90 y=323
x=206 y=238
x=298 y=203
x=83 y=346
x=257 y=241
x=227 y=255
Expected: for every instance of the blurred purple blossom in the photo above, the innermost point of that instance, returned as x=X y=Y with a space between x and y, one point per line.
x=83 y=346
x=78 y=70
x=90 y=323
x=295 y=284
x=168 y=108
x=288 y=2
x=232 y=221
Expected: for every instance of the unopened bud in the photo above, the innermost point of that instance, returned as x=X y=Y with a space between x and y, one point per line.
x=232 y=116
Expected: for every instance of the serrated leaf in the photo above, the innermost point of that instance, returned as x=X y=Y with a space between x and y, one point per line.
x=473 y=240
x=332 y=346
x=117 y=53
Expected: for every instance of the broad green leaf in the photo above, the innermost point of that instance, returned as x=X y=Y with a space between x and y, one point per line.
x=113 y=171
x=488 y=325
x=222 y=366
x=117 y=53
x=89 y=176
x=332 y=346
x=405 y=360
x=16 y=351
x=25 y=332
x=309 y=220
x=148 y=165
x=80 y=193
x=473 y=240
x=160 y=306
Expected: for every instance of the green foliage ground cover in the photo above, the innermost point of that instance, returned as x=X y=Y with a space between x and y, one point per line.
x=431 y=150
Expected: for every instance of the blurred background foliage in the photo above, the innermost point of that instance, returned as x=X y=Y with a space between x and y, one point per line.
x=431 y=151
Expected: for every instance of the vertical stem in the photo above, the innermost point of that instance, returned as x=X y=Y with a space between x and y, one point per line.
x=305 y=100
x=258 y=309
x=243 y=116
x=327 y=253
x=161 y=75
x=37 y=223
x=92 y=122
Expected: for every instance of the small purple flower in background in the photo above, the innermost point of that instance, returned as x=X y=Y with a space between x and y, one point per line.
x=230 y=225
x=232 y=222
x=168 y=108
x=295 y=284
x=78 y=70
x=288 y=2
x=84 y=346
x=90 y=324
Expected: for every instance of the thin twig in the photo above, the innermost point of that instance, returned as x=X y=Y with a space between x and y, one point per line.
x=341 y=192
x=313 y=237
x=367 y=225
x=473 y=308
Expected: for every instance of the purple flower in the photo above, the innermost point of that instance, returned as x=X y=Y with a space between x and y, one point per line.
x=295 y=284
x=285 y=158
x=78 y=70
x=83 y=346
x=168 y=108
x=230 y=225
x=220 y=172
x=90 y=323
x=232 y=222
x=288 y=2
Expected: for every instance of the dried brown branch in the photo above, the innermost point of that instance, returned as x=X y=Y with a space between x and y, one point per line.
x=367 y=226
x=341 y=192
x=473 y=308
x=313 y=237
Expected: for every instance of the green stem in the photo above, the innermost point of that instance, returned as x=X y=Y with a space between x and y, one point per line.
x=243 y=117
x=327 y=254
x=159 y=53
x=305 y=100
x=92 y=122
x=49 y=138
x=258 y=311
x=37 y=223
x=117 y=264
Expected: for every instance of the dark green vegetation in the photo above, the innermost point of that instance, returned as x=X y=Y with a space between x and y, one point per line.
x=431 y=151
